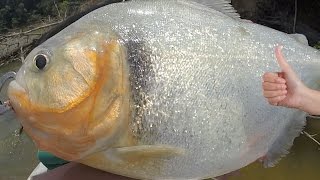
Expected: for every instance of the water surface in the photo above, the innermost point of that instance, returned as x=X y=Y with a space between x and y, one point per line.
x=303 y=161
x=17 y=152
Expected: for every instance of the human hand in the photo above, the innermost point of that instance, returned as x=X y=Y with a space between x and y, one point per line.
x=283 y=88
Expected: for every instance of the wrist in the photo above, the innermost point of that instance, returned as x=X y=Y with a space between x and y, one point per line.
x=310 y=101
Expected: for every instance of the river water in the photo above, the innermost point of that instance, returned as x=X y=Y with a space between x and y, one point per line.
x=18 y=154
x=303 y=161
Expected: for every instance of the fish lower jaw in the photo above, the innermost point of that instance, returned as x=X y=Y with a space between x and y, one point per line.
x=13 y=89
x=16 y=87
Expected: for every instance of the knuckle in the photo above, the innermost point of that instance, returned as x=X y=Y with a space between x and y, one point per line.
x=271 y=101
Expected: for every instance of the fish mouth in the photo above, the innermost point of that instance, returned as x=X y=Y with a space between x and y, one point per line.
x=6 y=105
x=5 y=77
x=14 y=88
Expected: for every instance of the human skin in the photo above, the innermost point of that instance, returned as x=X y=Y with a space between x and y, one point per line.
x=284 y=88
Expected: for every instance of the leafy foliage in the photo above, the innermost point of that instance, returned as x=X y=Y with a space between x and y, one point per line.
x=16 y=13
x=317 y=46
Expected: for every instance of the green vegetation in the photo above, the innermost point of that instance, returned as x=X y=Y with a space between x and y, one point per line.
x=16 y=13
x=317 y=46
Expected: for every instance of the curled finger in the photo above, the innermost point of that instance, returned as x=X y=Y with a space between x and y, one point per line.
x=268 y=86
x=275 y=100
x=270 y=94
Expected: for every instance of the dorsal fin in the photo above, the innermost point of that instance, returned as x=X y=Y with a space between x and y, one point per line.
x=223 y=6
x=300 y=38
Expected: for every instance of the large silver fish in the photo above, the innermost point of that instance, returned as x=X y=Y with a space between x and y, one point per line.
x=166 y=89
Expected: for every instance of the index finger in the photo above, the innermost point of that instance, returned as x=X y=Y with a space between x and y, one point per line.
x=273 y=77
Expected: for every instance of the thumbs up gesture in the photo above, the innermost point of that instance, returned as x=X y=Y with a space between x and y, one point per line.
x=283 y=88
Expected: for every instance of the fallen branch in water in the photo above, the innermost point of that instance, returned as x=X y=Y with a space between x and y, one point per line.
x=311 y=137
x=16 y=55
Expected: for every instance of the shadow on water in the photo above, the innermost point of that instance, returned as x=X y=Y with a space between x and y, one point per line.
x=18 y=153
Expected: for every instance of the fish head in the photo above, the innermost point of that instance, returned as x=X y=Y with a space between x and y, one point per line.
x=69 y=93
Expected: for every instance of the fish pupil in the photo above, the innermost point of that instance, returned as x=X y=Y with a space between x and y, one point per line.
x=41 y=61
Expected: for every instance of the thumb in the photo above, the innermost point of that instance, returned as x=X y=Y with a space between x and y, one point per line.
x=287 y=72
x=285 y=67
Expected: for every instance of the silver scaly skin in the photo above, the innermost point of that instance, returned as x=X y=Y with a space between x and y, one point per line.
x=195 y=77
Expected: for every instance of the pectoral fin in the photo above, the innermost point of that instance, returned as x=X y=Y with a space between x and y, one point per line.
x=134 y=153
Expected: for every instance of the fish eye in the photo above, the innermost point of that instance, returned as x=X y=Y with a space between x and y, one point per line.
x=41 y=61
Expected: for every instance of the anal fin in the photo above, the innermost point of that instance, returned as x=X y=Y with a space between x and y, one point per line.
x=283 y=143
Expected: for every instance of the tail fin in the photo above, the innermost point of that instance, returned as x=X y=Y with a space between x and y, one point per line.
x=283 y=143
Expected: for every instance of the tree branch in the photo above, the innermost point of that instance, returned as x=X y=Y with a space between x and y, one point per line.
x=295 y=15
x=55 y=5
x=29 y=31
